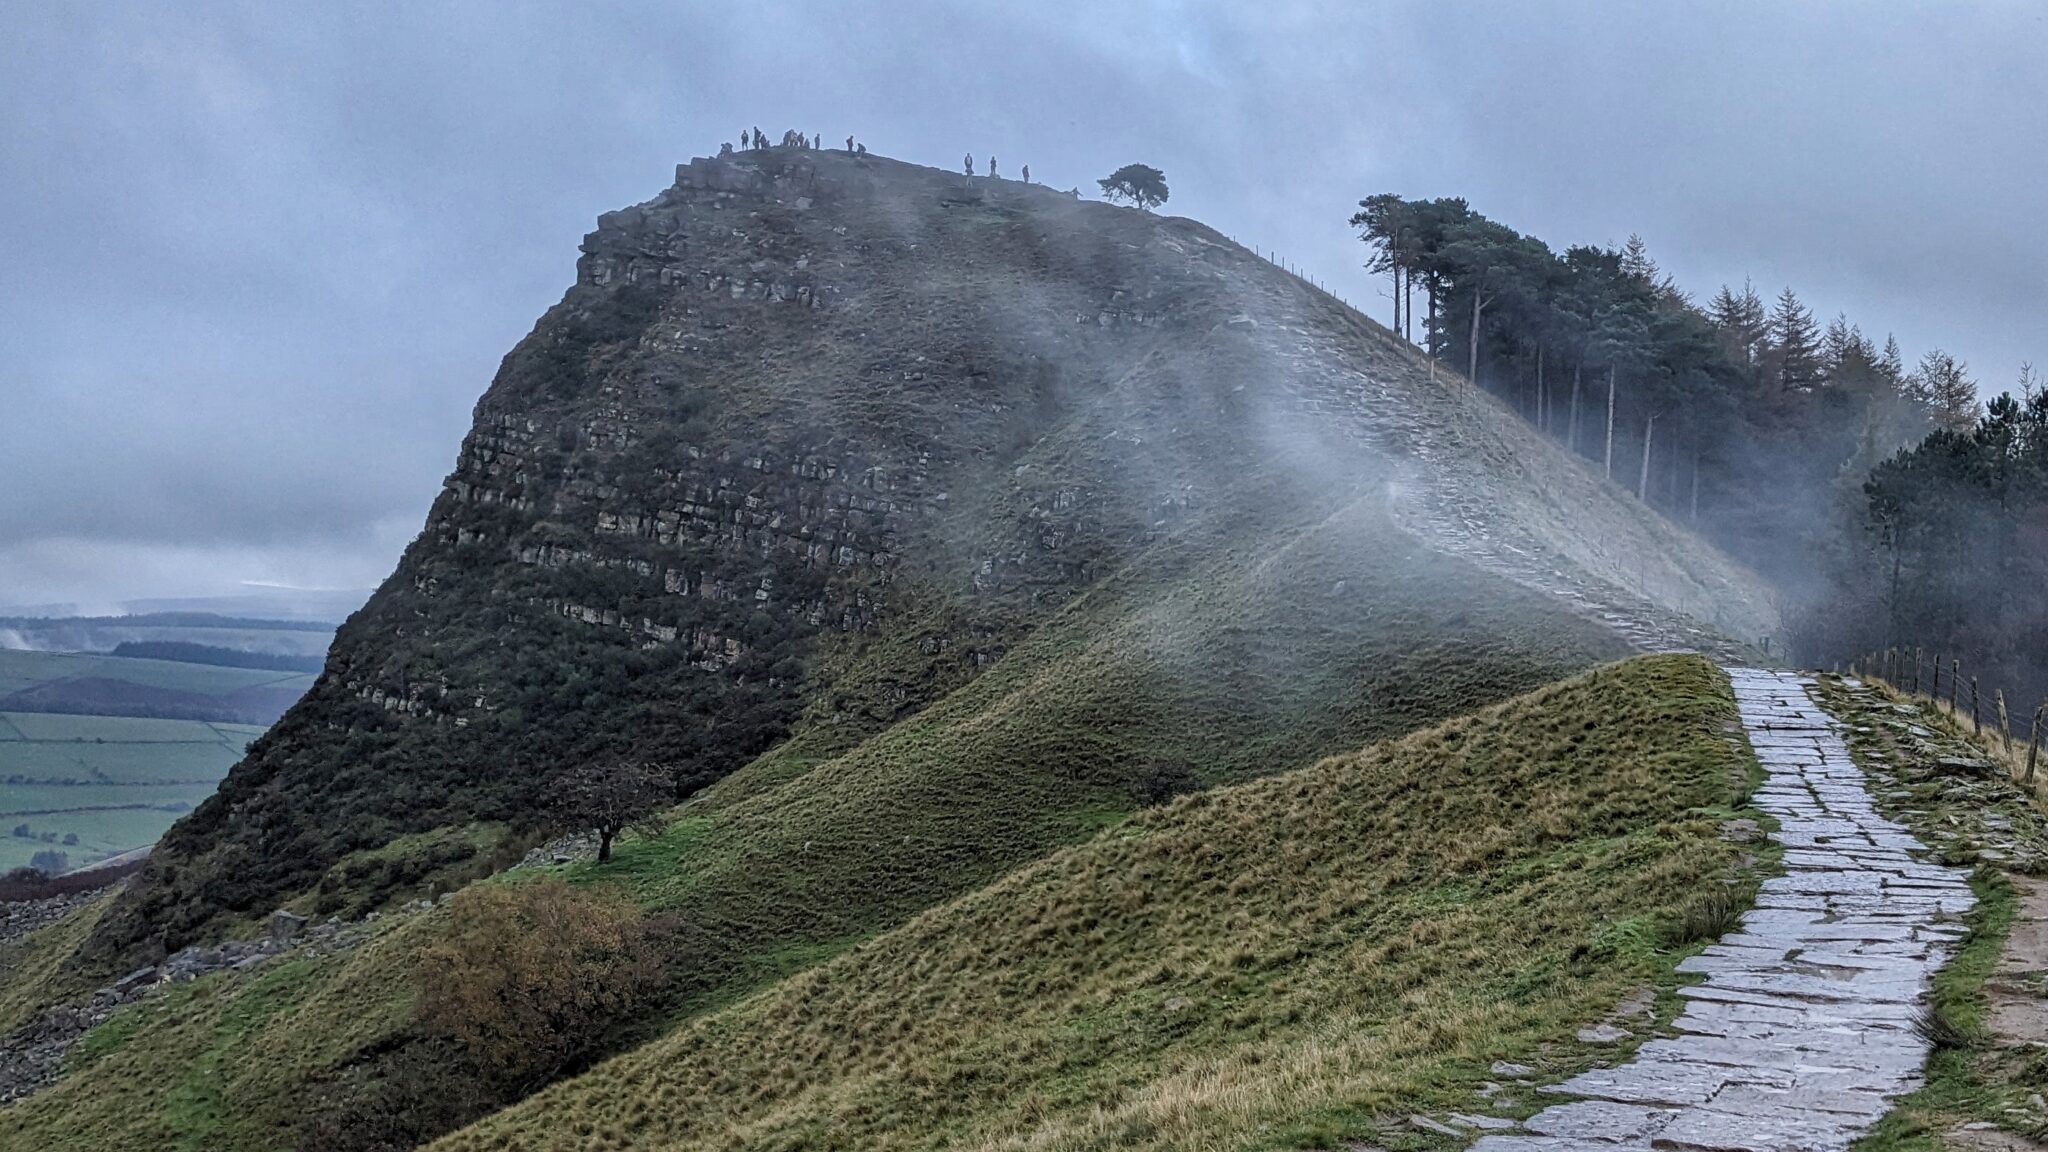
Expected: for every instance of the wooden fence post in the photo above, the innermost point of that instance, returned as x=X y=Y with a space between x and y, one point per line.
x=1936 y=691
x=1916 y=670
x=2004 y=721
x=1955 y=674
x=1976 y=725
x=2034 y=742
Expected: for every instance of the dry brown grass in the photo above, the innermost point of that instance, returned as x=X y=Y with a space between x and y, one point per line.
x=1357 y=937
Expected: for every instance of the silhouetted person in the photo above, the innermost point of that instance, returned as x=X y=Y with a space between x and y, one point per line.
x=860 y=149
x=970 y=163
x=725 y=147
x=991 y=167
x=817 y=140
x=1027 y=173
x=849 y=144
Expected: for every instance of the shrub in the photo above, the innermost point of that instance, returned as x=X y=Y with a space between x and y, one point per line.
x=531 y=976
x=1162 y=780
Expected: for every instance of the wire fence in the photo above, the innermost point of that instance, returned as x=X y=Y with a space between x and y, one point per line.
x=1917 y=674
x=1418 y=352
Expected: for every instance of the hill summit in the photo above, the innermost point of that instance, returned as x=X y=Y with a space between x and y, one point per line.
x=818 y=445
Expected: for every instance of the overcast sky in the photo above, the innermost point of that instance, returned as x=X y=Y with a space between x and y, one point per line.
x=257 y=261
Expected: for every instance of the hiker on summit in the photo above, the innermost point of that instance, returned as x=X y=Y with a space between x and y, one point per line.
x=849 y=144
x=1027 y=173
x=970 y=163
x=991 y=167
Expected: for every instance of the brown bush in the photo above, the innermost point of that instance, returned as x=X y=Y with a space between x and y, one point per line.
x=531 y=976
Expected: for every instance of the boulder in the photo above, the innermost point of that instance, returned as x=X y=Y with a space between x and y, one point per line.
x=285 y=925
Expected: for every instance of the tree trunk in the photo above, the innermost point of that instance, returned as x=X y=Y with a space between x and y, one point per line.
x=1408 y=306
x=1397 y=293
x=1608 y=458
x=1695 y=516
x=1671 y=481
x=1643 y=478
x=1571 y=419
x=1478 y=310
x=1429 y=329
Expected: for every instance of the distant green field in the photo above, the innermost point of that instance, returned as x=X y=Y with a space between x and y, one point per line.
x=96 y=786
x=20 y=670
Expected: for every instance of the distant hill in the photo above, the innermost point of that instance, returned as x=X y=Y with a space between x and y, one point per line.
x=109 y=685
x=189 y=653
x=302 y=638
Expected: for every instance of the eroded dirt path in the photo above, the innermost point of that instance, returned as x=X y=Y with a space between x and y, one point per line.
x=1802 y=1033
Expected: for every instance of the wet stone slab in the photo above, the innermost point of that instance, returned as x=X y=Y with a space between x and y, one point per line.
x=1801 y=1034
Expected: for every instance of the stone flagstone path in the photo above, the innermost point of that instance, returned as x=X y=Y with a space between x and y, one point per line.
x=1803 y=1030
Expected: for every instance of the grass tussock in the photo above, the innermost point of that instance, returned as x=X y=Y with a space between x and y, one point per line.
x=1942 y=1031
x=1356 y=937
x=1711 y=914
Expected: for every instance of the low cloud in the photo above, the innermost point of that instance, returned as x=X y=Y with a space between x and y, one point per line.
x=262 y=259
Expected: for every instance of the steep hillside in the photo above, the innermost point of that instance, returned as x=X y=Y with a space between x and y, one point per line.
x=1296 y=954
x=804 y=406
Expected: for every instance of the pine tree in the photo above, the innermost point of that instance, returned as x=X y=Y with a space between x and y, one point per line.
x=1891 y=363
x=1741 y=321
x=1635 y=261
x=1941 y=386
x=1795 y=342
x=1838 y=348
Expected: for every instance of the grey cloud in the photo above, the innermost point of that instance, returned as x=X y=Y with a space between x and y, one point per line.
x=260 y=258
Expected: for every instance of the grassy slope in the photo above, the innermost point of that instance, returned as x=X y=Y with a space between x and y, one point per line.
x=1238 y=665
x=222 y=1062
x=1235 y=664
x=1272 y=963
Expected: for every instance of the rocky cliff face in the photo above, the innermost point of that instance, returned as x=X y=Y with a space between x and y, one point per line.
x=802 y=403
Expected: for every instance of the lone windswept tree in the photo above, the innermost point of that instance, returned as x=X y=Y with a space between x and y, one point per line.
x=610 y=796
x=1139 y=184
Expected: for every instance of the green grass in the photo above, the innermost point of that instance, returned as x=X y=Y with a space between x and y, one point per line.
x=1334 y=930
x=113 y=782
x=101 y=832
x=1986 y=1082
x=58 y=728
x=228 y=1061
x=23 y=798
x=119 y=762
x=33 y=972
x=1301 y=954
x=1232 y=665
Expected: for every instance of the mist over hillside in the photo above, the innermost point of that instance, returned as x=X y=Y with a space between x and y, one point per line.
x=1048 y=578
